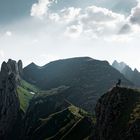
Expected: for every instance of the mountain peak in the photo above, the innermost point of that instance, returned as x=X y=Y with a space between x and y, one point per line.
x=135 y=70
x=9 y=102
x=133 y=76
x=119 y=66
x=33 y=65
x=11 y=67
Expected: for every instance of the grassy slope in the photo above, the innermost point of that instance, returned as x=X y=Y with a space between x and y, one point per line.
x=60 y=123
x=29 y=86
x=57 y=124
x=24 y=94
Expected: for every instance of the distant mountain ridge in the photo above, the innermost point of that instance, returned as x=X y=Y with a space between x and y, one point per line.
x=119 y=66
x=132 y=75
x=86 y=78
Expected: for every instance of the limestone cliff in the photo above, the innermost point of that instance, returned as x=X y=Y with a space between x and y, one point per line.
x=9 y=102
x=118 y=115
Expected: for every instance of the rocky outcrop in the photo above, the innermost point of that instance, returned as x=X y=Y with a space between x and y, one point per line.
x=9 y=102
x=20 y=68
x=117 y=114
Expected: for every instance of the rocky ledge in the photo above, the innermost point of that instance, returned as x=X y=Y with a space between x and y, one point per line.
x=118 y=115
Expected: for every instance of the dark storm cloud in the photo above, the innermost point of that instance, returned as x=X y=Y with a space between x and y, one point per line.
x=11 y=10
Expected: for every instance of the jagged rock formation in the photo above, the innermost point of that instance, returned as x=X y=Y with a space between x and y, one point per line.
x=132 y=75
x=9 y=102
x=20 y=68
x=119 y=66
x=118 y=115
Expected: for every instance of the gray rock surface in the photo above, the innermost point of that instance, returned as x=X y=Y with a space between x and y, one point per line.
x=9 y=102
x=117 y=114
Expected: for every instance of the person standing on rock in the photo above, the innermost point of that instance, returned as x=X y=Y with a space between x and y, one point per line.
x=118 y=84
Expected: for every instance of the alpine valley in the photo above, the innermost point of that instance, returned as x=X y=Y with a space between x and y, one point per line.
x=69 y=99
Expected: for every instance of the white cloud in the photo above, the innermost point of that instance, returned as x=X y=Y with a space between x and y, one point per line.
x=8 y=33
x=92 y=21
x=95 y=22
x=73 y=31
x=65 y=15
x=99 y=14
x=101 y=21
x=70 y=14
x=41 y=8
x=5 y=34
x=135 y=15
x=132 y=25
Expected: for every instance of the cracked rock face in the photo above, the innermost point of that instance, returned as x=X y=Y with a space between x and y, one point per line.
x=114 y=112
x=9 y=102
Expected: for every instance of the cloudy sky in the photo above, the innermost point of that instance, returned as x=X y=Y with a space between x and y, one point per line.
x=46 y=30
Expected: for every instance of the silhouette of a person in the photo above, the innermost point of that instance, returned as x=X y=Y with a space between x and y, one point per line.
x=118 y=83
